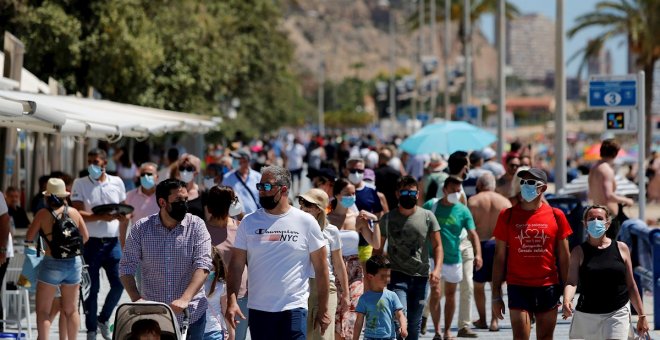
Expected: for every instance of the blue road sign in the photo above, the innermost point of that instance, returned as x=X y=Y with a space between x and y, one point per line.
x=469 y=113
x=612 y=91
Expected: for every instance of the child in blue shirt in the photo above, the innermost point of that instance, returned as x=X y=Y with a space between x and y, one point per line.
x=379 y=306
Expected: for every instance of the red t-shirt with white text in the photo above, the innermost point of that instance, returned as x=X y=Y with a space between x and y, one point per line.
x=531 y=237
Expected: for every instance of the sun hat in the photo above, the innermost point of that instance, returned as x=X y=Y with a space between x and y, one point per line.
x=56 y=186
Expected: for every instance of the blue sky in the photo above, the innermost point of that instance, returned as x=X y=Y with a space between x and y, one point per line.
x=572 y=10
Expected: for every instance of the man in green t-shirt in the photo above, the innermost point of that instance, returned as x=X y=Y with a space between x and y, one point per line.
x=453 y=217
x=407 y=229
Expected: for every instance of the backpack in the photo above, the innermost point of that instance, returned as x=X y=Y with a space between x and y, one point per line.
x=66 y=240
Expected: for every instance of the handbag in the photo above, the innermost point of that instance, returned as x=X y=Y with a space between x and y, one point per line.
x=30 y=270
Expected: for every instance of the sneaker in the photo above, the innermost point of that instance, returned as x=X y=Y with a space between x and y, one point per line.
x=423 y=330
x=104 y=328
x=91 y=335
x=466 y=332
x=437 y=337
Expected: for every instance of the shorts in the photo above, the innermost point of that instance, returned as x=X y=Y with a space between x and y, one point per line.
x=485 y=274
x=534 y=299
x=297 y=173
x=452 y=273
x=57 y=272
x=615 y=325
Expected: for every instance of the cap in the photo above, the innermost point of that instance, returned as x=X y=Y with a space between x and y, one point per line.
x=327 y=173
x=369 y=175
x=240 y=154
x=535 y=173
x=488 y=153
x=316 y=196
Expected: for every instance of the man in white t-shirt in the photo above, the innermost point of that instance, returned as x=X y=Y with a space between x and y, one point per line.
x=281 y=244
x=295 y=153
x=6 y=246
x=103 y=249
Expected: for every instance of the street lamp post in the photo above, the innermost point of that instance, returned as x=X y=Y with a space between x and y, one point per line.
x=433 y=36
x=467 y=46
x=321 y=95
x=560 y=101
x=392 y=65
x=501 y=78
x=446 y=55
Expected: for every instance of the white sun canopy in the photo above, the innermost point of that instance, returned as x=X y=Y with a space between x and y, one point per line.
x=74 y=116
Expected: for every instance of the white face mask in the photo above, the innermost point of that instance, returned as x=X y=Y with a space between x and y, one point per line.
x=235 y=208
x=186 y=176
x=209 y=183
x=355 y=178
x=454 y=198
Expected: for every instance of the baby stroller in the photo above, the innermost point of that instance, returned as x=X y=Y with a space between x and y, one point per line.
x=130 y=313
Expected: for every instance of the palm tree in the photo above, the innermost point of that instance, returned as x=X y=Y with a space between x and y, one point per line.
x=639 y=22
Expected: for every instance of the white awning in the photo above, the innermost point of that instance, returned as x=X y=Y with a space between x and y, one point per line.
x=76 y=116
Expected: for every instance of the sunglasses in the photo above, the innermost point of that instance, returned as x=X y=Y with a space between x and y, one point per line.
x=356 y=171
x=408 y=192
x=266 y=186
x=530 y=182
x=146 y=174
x=305 y=203
x=189 y=168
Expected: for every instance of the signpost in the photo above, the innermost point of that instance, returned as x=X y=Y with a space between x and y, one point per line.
x=622 y=97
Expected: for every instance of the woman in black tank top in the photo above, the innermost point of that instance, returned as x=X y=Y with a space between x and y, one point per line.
x=602 y=267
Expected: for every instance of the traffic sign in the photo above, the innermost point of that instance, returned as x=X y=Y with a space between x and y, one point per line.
x=469 y=113
x=612 y=91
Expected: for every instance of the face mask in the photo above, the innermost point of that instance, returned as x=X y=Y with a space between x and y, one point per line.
x=407 y=202
x=596 y=228
x=355 y=178
x=269 y=202
x=186 y=176
x=235 y=208
x=95 y=171
x=209 y=182
x=454 y=197
x=54 y=201
x=178 y=210
x=147 y=182
x=347 y=201
x=528 y=192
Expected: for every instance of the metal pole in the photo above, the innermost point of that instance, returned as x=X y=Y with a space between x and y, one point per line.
x=501 y=78
x=422 y=50
x=434 y=90
x=392 y=66
x=467 y=9
x=413 y=60
x=641 y=129
x=321 y=95
x=560 y=100
x=446 y=55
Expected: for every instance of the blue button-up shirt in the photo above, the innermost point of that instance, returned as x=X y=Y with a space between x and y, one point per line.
x=168 y=259
x=248 y=193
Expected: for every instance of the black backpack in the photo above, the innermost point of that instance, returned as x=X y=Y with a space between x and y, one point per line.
x=66 y=240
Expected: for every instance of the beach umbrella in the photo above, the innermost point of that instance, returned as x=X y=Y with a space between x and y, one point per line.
x=447 y=137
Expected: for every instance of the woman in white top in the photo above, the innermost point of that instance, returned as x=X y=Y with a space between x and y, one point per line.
x=344 y=214
x=314 y=202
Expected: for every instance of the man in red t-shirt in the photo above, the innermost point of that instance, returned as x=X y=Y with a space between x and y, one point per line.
x=530 y=237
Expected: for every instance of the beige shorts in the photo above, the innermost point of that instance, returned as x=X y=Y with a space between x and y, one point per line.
x=615 y=325
x=452 y=273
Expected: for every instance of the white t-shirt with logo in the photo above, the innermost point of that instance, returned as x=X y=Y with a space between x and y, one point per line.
x=332 y=243
x=5 y=210
x=278 y=249
x=94 y=193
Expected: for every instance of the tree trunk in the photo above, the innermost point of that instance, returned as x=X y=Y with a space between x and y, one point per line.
x=648 y=100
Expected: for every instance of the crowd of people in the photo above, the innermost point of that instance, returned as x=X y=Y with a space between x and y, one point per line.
x=372 y=250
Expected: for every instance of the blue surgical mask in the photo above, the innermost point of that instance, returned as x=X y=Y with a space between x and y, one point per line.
x=347 y=201
x=528 y=192
x=95 y=171
x=147 y=182
x=596 y=228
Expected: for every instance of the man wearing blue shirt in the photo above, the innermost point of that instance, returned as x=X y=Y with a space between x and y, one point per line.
x=244 y=182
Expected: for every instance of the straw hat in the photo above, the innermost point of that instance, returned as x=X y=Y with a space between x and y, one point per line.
x=316 y=196
x=56 y=187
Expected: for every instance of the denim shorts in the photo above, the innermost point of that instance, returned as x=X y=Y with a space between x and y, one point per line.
x=57 y=272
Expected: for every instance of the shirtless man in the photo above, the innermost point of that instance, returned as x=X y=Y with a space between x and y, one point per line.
x=602 y=185
x=485 y=207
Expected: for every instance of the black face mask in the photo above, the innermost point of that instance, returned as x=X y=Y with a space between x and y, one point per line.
x=178 y=210
x=407 y=202
x=54 y=201
x=269 y=202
